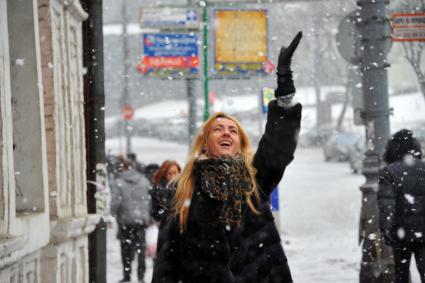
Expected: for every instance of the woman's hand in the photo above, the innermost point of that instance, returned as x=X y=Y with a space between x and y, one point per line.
x=285 y=83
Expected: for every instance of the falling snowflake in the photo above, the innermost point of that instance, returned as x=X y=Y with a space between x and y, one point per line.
x=401 y=233
x=372 y=236
x=410 y=199
x=20 y=62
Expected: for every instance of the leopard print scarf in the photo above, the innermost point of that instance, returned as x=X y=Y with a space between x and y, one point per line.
x=226 y=179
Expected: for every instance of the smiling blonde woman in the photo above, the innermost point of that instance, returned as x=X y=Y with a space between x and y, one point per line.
x=222 y=228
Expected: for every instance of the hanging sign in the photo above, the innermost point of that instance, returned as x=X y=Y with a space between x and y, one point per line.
x=170 y=18
x=169 y=54
x=408 y=27
x=267 y=95
x=240 y=43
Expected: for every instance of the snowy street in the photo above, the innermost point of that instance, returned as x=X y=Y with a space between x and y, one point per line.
x=320 y=215
x=320 y=207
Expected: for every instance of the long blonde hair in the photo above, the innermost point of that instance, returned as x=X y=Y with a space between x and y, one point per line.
x=186 y=180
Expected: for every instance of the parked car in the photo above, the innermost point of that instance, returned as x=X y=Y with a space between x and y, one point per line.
x=315 y=137
x=356 y=155
x=357 y=151
x=338 y=146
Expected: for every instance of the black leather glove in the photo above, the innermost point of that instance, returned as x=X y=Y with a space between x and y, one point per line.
x=285 y=83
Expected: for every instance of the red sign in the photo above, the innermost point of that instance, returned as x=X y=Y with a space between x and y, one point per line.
x=176 y=62
x=212 y=96
x=269 y=67
x=127 y=112
x=408 y=27
x=169 y=55
x=170 y=62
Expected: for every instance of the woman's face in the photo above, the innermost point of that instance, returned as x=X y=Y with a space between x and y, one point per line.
x=172 y=172
x=224 y=139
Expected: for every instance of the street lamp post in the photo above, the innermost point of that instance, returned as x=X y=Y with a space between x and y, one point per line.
x=191 y=97
x=125 y=99
x=94 y=100
x=204 y=5
x=376 y=265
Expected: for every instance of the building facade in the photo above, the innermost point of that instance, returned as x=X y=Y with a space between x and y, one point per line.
x=44 y=224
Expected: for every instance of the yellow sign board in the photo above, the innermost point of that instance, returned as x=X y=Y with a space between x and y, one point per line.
x=240 y=40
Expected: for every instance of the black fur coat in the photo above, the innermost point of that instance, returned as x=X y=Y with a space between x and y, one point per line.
x=212 y=252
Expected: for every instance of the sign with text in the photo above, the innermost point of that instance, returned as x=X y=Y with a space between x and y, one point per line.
x=408 y=27
x=267 y=95
x=170 y=18
x=240 y=42
x=169 y=54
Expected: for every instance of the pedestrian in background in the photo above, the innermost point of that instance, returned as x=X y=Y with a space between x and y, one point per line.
x=163 y=191
x=137 y=165
x=112 y=162
x=222 y=229
x=130 y=205
x=401 y=199
x=150 y=170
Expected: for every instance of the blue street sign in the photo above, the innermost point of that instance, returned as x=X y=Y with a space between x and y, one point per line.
x=170 y=44
x=275 y=199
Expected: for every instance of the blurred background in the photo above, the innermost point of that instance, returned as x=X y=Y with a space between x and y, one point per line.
x=323 y=78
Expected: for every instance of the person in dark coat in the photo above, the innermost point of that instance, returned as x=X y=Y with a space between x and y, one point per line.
x=138 y=166
x=150 y=170
x=222 y=229
x=401 y=199
x=163 y=191
x=131 y=205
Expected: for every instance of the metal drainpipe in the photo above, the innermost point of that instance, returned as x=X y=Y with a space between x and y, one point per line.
x=94 y=103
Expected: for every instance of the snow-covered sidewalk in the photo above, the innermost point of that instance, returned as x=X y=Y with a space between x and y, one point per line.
x=148 y=150
x=320 y=215
x=114 y=266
